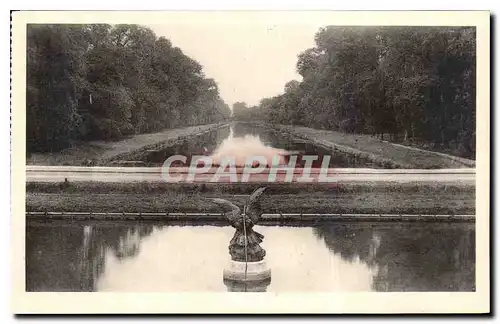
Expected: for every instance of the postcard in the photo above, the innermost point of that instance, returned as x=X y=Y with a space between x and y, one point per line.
x=250 y=162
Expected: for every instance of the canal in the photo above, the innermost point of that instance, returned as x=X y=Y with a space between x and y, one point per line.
x=327 y=257
x=241 y=140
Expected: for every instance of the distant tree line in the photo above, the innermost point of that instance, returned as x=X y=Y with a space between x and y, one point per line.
x=99 y=82
x=415 y=83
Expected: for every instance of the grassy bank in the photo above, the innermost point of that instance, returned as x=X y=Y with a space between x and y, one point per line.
x=101 y=152
x=306 y=198
x=380 y=152
x=146 y=187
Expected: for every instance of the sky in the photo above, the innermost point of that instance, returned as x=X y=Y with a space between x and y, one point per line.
x=248 y=61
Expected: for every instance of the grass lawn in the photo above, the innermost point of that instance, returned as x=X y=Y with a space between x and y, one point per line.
x=82 y=152
x=306 y=198
x=383 y=152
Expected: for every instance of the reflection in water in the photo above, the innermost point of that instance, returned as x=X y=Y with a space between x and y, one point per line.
x=436 y=257
x=241 y=148
x=242 y=140
x=331 y=257
x=69 y=257
x=198 y=145
x=250 y=286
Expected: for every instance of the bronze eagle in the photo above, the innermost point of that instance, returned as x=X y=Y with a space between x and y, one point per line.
x=252 y=212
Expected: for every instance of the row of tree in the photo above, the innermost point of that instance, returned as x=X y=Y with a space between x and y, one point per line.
x=89 y=82
x=415 y=83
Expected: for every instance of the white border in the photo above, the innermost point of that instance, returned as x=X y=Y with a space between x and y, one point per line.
x=230 y=303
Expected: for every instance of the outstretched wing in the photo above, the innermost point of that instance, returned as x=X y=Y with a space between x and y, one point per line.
x=232 y=212
x=253 y=208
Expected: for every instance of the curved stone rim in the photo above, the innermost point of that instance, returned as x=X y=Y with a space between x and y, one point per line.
x=256 y=271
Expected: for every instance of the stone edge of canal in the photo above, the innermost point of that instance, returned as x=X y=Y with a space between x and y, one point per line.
x=265 y=219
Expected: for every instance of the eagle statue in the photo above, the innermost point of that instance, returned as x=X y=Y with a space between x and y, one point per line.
x=244 y=248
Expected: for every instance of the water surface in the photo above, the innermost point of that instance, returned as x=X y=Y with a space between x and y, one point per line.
x=241 y=140
x=331 y=257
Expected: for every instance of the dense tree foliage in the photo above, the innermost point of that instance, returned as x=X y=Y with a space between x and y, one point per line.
x=102 y=82
x=415 y=83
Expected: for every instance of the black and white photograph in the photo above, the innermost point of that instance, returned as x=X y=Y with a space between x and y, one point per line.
x=252 y=154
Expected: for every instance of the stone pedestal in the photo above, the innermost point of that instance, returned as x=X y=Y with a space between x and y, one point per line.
x=258 y=276
x=255 y=271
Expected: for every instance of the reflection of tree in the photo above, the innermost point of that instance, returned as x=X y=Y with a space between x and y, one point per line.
x=429 y=258
x=72 y=257
x=350 y=241
x=122 y=239
x=299 y=147
x=221 y=134
x=197 y=145
x=265 y=135
x=52 y=258
x=410 y=257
